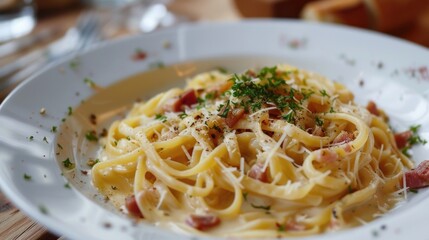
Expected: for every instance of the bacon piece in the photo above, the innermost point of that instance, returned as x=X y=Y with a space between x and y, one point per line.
x=275 y=112
x=402 y=138
x=132 y=207
x=418 y=177
x=234 y=116
x=343 y=137
x=256 y=172
x=326 y=156
x=188 y=98
x=202 y=222
x=372 y=108
x=317 y=131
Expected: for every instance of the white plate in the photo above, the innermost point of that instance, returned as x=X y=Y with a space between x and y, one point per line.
x=391 y=72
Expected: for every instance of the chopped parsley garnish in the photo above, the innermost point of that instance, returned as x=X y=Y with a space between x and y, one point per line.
x=271 y=87
x=224 y=109
x=331 y=110
x=92 y=162
x=54 y=129
x=413 y=140
x=183 y=115
x=324 y=93
x=31 y=138
x=43 y=209
x=89 y=82
x=59 y=146
x=69 y=111
x=91 y=136
x=161 y=117
x=63 y=120
x=45 y=140
x=68 y=164
x=27 y=177
x=267 y=208
x=74 y=64
x=319 y=122
x=289 y=117
x=67 y=186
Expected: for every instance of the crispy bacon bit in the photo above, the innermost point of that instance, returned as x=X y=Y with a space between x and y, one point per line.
x=275 y=112
x=326 y=155
x=234 y=116
x=256 y=172
x=418 y=177
x=132 y=207
x=139 y=55
x=343 y=137
x=202 y=222
x=317 y=131
x=402 y=138
x=176 y=104
x=372 y=108
x=188 y=98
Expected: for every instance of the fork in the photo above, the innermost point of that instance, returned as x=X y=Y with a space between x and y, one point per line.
x=85 y=33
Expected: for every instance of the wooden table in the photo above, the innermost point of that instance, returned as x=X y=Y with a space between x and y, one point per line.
x=15 y=225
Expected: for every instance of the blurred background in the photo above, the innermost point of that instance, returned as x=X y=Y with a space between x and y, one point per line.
x=34 y=33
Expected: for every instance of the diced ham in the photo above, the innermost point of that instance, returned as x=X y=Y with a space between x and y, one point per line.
x=202 y=222
x=256 y=172
x=418 y=177
x=275 y=112
x=343 y=137
x=132 y=207
x=189 y=98
x=372 y=108
x=234 y=116
x=176 y=104
x=317 y=131
x=402 y=138
x=326 y=156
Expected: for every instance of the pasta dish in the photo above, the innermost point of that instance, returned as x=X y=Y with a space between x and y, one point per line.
x=272 y=152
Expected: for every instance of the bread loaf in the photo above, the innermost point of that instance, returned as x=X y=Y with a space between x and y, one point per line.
x=349 y=12
x=381 y=15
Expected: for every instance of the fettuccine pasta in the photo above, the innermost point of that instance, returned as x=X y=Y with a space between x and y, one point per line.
x=272 y=152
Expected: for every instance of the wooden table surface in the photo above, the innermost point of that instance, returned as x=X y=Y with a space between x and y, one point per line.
x=16 y=225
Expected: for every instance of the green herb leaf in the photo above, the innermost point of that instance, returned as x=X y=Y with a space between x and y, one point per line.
x=319 y=122
x=68 y=164
x=267 y=208
x=289 y=117
x=27 y=177
x=91 y=136
x=161 y=117
x=54 y=129
x=69 y=111
x=89 y=82
x=413 y=190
